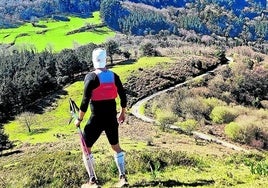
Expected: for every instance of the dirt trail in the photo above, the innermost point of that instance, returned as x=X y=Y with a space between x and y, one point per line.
x=135 y=111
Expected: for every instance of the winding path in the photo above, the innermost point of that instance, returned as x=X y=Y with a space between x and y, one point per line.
x=135 y=111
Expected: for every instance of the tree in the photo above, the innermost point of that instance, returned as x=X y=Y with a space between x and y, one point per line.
x=111 y=11
x=67 y=64
x=126 y=54
x=84 y=54
x=112 y=48
x=27 y=119
x=4 y=142
x=149 y=50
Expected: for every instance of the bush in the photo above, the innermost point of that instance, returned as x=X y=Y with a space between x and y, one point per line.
x=260 y=168
x=161 y=108
x=148 y=49
x=57 y=169
x=247 y=132
x=166 y=118
x=232 y=130
x=194 y=108
x=223 y=114
x=145 y=161
x=212 y=102
x=4 y=141
x=188 y=125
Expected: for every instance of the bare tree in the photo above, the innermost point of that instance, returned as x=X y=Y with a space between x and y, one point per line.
x=27 y=119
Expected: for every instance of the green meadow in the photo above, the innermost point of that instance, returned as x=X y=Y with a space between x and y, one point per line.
x=52 y=34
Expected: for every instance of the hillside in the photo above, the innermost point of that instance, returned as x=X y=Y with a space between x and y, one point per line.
x=156 y=157
x=207 y=61
x=183 y=161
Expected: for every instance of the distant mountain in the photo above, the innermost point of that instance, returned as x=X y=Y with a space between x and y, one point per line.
x=229 y=18
x=246 y=19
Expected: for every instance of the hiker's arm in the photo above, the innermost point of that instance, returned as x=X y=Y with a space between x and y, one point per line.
x=90 y=83
x=121 y=92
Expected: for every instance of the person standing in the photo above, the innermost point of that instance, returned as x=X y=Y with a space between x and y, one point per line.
x=101 y=88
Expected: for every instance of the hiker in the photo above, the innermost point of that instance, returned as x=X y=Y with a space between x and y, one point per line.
x=101 y=87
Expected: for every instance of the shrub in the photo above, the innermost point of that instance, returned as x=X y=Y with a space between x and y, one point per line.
x=161 y=108
x=247 y=132
x=260 y=168
x=58 y=169
x=213 y=102
x=217 y=85
x=198 y=81
x=148 y=49
x=194 y=108
x=166 y=117
x=188 y=125
x=232 y=130
x=223 y=114
x=4 y=141
x=27 y=119
x=161 y=103
x=145 y=161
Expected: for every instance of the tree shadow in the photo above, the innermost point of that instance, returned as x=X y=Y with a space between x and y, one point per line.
x=38 y=131
x=172 y=183
x=10 y=153
x=126 y=62
x=40 y=105
x=100 y=31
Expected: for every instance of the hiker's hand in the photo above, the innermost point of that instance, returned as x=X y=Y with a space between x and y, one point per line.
x=77 y=122
x=121 y=117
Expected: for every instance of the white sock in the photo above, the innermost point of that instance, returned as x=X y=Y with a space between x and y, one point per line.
x=89 y=164
x=120 y=162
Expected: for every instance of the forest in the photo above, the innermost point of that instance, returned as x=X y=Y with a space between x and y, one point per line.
x=247 y=21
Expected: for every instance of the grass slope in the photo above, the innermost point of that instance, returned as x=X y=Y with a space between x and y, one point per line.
x=155 y=158
x=53 y=35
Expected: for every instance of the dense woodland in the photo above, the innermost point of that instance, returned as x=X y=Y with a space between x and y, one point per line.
x=247 y=20
x=27 y=75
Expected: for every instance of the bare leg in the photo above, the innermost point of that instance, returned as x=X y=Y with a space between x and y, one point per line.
x=116 y=148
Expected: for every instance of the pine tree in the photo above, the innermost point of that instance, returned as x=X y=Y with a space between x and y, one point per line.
x=4 y=142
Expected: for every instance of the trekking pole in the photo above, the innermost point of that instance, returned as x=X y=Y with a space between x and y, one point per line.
x=74 y=110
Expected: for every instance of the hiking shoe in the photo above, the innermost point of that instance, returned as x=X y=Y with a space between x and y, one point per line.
x=92 y=180
x=91 y=184
x=122 y=182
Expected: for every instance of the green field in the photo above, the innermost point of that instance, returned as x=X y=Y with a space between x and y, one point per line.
x=53 y=35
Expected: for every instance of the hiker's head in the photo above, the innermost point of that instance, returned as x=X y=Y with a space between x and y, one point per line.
x=99 y=58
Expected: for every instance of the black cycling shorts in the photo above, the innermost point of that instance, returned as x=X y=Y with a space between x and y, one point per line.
x=96 y=125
